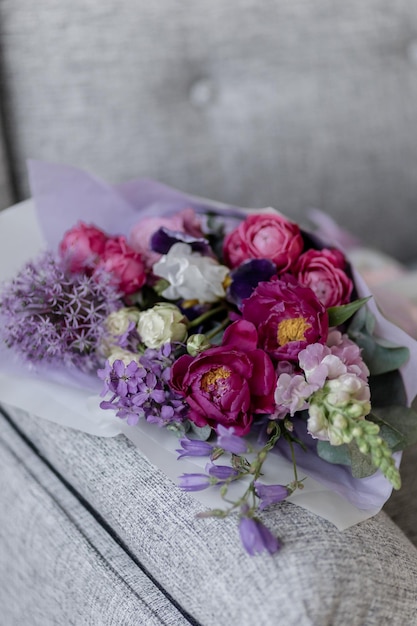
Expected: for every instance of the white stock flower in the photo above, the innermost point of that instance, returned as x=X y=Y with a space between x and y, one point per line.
x=191 y=275
x=163 y=323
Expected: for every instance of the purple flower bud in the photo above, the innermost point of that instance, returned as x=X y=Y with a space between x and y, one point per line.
x=194 y=447
x=256 y=538
x=230 y=442
x=270 y=494
x=222 y=472
x=194 y=482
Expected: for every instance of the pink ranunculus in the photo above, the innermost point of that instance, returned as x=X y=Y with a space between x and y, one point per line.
x=288 y=317
x=264 y=236
x=324 y=272
x=124 y=265
x=185 y=221
x=81 y=247
x=227 y=384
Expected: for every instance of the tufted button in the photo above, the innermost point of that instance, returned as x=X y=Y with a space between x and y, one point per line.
x=412 y=51
x=201 y=92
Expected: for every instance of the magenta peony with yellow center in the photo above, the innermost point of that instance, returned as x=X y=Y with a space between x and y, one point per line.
x=288 y=317
x=227 y=384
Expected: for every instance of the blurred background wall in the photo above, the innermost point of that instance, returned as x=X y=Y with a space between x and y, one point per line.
x=289 y=103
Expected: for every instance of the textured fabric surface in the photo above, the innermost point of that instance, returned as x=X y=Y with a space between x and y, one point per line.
x=5 y=186
x=366 y=575
x=58 y=565
x=290 y=104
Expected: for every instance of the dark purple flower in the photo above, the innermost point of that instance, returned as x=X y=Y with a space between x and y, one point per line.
x=230 y=442
x=247 y=276
x=256 y=538
x=194 y=482
x=194 y=447
x=164 y=238
x=270 y=494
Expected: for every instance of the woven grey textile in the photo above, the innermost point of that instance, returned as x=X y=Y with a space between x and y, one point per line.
x=366 y=575
x=283 y=103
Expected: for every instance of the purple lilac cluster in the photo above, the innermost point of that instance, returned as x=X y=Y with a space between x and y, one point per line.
x=140 y=389
x=50 y=315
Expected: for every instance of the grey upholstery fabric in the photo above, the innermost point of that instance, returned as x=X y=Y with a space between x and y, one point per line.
x=366 y=575
x=57 y=564
x=5 y=186
x=290 y=104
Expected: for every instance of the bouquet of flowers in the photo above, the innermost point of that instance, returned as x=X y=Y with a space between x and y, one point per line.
x=240 y=333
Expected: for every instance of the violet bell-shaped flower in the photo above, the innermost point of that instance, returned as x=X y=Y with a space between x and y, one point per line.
x=256 y=538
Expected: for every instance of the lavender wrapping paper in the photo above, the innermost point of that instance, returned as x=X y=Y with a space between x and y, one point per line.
x=63 y=195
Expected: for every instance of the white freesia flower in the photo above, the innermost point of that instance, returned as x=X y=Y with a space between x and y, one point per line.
x=191 y=275
x=163 y=323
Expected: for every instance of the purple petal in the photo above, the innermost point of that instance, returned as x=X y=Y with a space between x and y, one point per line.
x=194 y=482
x=256 y=538
x=194 y=447
x=163 y=239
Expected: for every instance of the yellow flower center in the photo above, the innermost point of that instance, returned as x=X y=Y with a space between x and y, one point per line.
x=211 y=380
x=292 y=329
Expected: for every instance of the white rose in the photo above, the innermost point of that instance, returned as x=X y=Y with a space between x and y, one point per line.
x=191 y=275
x=118 y=354
x=118 y=322
x=163 y=323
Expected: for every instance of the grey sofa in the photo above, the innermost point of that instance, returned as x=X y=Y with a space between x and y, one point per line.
x=254 y=103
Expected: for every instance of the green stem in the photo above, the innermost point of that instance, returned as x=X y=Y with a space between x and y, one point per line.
x=218 y=329
x=205 y=316
x=294 y=464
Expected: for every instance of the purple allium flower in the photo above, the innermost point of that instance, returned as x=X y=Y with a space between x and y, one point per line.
x=230 y=442
x=270 y=494
x=50 y=315
x=194 y=447
x=141 y=390
x=256 y=538
x=194 y=482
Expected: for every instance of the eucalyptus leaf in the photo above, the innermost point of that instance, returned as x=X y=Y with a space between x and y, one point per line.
x=200 y=432
x=338 y=455
x=388 y=390
x=340 y=314
x=378 y=358
x=362 y=465
x=396 y=421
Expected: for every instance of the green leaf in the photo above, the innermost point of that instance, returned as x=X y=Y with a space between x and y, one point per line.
x=396 y=422
x=340 y=314
x=362 y=465
x=388 y=390
x=338 y=455
x=200 y=432
x=378 y=357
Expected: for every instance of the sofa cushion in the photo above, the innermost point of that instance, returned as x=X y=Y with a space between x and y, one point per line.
x=364 y=575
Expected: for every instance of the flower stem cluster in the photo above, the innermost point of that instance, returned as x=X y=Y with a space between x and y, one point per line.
x=256 y=497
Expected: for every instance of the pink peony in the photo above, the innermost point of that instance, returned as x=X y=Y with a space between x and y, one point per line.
x=264 y=236
x=288 y=317
x=185 y=221
x=227 y=384
x=123 y=264
x=81 y=247
x=323 y=271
